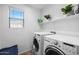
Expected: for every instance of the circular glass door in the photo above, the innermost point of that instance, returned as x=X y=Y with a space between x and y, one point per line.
x=53 y=51
x=36 y=44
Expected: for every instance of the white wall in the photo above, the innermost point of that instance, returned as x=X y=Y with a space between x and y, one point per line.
x=70 y=24
x=48 y=26
x=0 y=27
x=64 y=25
x=23 y=37
x=55 y=11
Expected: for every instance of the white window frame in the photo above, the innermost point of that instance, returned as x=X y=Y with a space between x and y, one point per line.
x=16 y=21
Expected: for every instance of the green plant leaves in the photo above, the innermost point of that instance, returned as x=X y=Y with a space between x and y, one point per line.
x=67 y=9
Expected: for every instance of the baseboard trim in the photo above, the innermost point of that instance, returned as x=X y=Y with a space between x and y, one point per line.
x=26 y=53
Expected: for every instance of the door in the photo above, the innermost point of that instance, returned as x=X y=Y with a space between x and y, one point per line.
x=52 y=50
x=36 y=45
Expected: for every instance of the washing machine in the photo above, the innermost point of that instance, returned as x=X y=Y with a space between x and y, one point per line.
x=38 y=42
x=61 y=45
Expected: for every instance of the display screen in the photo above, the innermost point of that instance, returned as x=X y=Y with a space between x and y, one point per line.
x=69 y=44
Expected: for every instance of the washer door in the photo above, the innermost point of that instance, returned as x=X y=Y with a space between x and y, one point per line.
x=36 y=45
x=52 y=50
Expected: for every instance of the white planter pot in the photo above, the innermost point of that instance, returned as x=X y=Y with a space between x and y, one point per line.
x=70 y=13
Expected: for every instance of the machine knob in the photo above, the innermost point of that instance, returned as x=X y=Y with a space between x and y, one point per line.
x=56 y=43
x=38 y=34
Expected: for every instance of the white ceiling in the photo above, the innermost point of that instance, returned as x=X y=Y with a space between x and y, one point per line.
x=38 y=6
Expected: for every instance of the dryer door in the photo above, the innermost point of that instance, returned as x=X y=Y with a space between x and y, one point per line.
x=36 y=45
x=52 y=50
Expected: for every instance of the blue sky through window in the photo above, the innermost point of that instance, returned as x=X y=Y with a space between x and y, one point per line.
x=15 y=13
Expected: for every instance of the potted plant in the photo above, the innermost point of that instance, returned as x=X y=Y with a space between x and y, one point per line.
x=40 y=20
x=68 y=10
x=48 y=17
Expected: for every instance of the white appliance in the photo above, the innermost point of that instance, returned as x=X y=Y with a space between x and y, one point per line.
x=61 y=45
x=38 y=42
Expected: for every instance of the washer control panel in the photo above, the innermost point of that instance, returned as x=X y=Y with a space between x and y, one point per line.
x=66 y=47
x=71 y=49
x=56 y=43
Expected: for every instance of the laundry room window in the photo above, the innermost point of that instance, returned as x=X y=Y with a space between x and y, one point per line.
x=16 y=18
